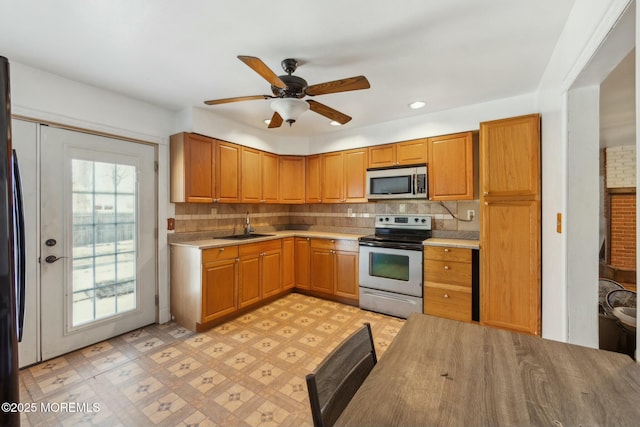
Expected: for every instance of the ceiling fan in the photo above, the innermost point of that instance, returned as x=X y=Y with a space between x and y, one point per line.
x=289 y=91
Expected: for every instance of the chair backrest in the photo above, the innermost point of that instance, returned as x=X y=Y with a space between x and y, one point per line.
x=340 y=375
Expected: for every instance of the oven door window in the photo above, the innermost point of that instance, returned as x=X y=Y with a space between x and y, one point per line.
x=389 y=266
x=391 y=185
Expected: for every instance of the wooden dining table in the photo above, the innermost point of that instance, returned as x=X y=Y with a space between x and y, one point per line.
x=440 y=372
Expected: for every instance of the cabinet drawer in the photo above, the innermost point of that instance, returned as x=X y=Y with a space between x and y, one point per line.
x=449 y=303
x=252 y=248
x=216 y=254
x=336 y=244
x=451 y=272
x=447 y=253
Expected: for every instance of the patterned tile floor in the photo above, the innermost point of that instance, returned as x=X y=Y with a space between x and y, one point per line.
x=246 y=372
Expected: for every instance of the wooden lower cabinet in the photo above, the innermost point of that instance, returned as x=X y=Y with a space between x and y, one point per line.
x=219 y=280
x=260 y=271
x=302 y=262
x=288 y=263
x=448 y=282
x=334 y=267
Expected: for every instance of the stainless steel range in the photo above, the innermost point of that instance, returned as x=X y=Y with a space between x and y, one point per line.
x=391 y=265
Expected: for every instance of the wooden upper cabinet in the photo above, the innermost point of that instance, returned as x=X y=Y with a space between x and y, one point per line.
x=411 y=152
x=270 y=177
x=382 y=156
x=313 y=179
x=192 y=163
x=344 y=176
x=403 y=153
x=291 y=181
x=228 y=172
x=251 y=175
x=332 y=177
x=355 y=175
x=259 y=176
x=510 y=153
x=451 y=167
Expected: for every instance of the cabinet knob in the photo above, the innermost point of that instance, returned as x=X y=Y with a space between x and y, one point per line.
x=446 y=250
x=446 y=267
x=308 y=238
x=333 y=241
x=486 y=193
x=221 y=249
x=446 y=295
x=237 y=259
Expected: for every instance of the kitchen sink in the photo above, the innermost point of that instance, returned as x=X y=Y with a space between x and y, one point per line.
x=245 y=236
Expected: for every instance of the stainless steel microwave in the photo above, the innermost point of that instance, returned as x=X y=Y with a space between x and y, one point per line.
x=397 y=183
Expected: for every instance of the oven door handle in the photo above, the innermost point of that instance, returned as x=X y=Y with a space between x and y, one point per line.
x=392 y=246
x=389 y=297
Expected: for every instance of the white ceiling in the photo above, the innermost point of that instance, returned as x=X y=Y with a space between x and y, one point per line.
x=176 y=54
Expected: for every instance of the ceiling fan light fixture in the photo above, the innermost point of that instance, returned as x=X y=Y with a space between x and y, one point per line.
x=334 y=123
x=417 y=105
x=289 y=108
x=267 y=121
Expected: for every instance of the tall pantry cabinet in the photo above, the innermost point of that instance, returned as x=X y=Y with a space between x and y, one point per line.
x=510 y=264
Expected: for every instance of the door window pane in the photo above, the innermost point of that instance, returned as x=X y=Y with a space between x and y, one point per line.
x=104 y=240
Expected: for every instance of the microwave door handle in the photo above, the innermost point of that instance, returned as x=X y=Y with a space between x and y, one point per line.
x=415 y=183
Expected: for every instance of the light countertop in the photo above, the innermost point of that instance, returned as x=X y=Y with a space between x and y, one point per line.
x=218 y=242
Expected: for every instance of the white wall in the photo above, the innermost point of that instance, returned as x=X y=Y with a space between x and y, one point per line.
x=587 y=27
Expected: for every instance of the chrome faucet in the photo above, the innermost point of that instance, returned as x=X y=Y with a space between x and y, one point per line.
x=247 y=225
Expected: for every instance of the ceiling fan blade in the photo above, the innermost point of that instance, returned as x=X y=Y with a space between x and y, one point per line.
x=237 y=99
x=328 y=112
x=342 y=85
x=276 y=120
x=261 y=68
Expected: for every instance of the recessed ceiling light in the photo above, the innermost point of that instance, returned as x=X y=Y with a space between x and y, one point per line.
x=267 y=121
x=416 y=105
x=334 y=123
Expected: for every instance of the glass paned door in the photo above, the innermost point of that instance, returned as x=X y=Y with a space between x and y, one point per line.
x=98 y=238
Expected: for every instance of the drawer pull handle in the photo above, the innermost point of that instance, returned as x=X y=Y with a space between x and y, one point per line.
x=446 y=295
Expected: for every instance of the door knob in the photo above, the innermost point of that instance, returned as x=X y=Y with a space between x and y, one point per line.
x=52 y=258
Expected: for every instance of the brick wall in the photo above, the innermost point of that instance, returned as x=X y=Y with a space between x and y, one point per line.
x=623 y=230
x=621 y=167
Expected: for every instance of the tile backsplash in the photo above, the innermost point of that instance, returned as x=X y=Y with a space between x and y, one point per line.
x=200 y=221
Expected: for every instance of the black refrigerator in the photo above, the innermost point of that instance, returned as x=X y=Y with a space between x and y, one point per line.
x=12 y=263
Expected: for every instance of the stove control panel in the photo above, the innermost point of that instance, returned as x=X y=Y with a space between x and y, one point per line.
x=422 y=222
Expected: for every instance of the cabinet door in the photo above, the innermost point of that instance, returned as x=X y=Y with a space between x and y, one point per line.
x=332 y=177
x=270 y=178
x=218 y=289
x=251 y=175
x=291 y=180
x=249 y=280
x=451 y=167
x=346 y=274
x=322 y=275
x=355 y=179
x=313 y=182
x=510 y=157
x=303 y=257
x=192 y=162
x=382 y=156
x=228 y=172
x=510 y=265
x=288 y=263
x=411 y=152
x=271 y=273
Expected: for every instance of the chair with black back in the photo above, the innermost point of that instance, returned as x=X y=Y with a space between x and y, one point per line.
x=340 y=375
